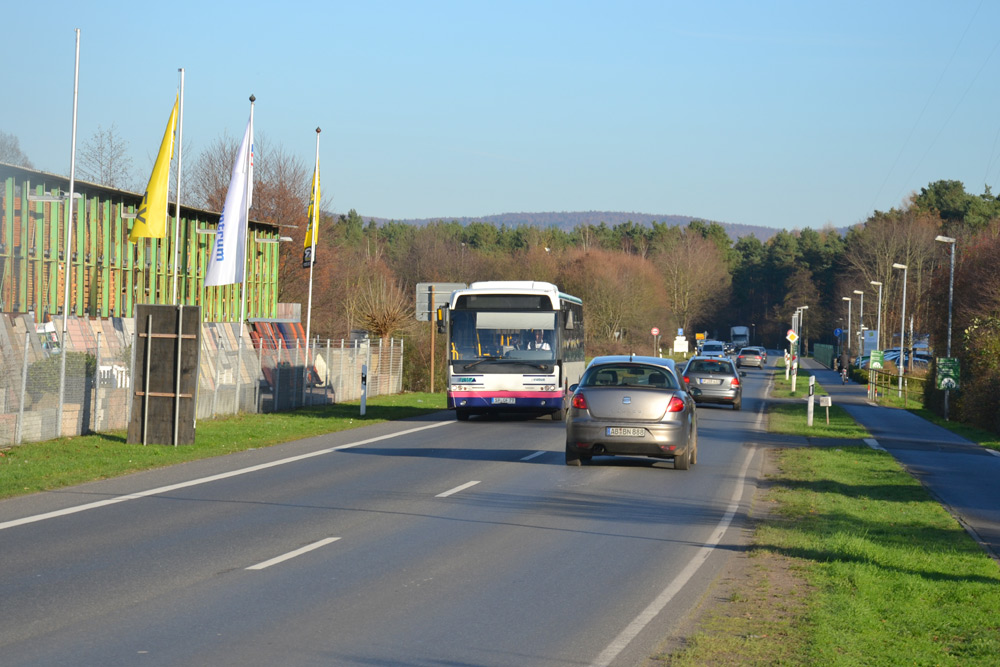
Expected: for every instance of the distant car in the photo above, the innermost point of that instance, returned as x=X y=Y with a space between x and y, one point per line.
x=713 y=348
x=714 y=380
x=631 y=406
x=750 y=356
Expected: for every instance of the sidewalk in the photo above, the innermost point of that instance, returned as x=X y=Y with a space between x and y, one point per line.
x=962 y=475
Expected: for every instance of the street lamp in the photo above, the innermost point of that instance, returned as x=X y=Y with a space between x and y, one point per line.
x=878 y=341
x=849 y=301
x=753 y=334
x=861 y=322
x=951 y=292
x=902 y=328
x=802 y=319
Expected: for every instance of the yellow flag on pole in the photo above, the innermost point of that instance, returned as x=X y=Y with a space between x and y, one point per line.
x=312 y=231
x=151 y=220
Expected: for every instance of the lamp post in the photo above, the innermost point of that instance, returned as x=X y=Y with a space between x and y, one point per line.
x=951 y=293
x=878 y=341
x=902 y=328
x=849 y=301
x=861 y=322
x=802 y=319
x=753 y=333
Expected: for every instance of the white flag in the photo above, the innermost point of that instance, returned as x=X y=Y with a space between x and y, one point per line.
x=227 y=260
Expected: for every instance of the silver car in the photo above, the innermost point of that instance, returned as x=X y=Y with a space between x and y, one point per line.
x=714 y=380
x=631 y=406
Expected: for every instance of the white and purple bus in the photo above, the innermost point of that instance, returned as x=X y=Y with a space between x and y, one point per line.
x=514 y=347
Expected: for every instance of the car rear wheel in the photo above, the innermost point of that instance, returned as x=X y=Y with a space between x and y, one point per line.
x=573 y=455
x=684 y=462
x=738 y=404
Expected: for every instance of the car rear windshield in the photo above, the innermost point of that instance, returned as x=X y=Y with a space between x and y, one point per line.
x=628 y=375
x=710 y=366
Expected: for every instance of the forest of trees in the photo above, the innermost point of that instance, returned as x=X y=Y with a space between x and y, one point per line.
x=633 y=276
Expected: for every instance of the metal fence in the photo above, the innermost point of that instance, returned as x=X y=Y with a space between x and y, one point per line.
x=237 y=373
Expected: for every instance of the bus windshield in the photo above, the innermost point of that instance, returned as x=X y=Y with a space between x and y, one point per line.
x=492 y=336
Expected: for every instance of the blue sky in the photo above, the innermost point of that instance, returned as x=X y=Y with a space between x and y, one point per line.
x=783 y=114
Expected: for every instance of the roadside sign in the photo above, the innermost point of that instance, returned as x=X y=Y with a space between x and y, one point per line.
x=699 y=336
x=655 y=331
x=877 y=360
x=441 y=294
x=947 y=373
x=792 y=336
x=838 y=332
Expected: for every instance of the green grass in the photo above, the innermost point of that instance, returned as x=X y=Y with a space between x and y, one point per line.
x=791 y=418
x=977 y=435
x=892 y=578
x=54 y=464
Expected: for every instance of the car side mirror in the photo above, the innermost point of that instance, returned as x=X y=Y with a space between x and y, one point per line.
x=572 y=388
x=695 y=391
x=743 y=374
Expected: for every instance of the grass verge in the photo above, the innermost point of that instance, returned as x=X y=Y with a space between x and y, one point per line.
x=855 y=565
x=53 y=464
x=791 y=418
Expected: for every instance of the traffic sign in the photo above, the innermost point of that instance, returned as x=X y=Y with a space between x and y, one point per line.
x=655 y=331
x=838 y=332
x=792 y=336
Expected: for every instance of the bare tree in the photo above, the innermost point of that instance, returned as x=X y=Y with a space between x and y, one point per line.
x=104 y=159
x=10 y=151
x=696 y=278
x=379 y=305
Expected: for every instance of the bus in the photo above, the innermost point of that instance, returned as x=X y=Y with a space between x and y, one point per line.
x=513 y=347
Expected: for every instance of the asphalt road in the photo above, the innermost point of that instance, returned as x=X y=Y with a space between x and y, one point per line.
x=424 y=542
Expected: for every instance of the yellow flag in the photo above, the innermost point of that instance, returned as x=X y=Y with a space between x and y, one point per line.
x=312 y=233
x=151 y=220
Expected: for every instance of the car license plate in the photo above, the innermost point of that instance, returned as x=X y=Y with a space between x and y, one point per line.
x=708 y=381
x=504 y=400
x=627 y=432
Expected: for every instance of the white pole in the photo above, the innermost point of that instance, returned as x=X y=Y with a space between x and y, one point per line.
x=246 y=225
x=69 y=242
x=314 y=226
x=177 y=205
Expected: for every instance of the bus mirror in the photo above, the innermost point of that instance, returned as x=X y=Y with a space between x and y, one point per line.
x=439 y=317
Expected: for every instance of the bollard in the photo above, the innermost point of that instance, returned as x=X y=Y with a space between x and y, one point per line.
x=364 y=388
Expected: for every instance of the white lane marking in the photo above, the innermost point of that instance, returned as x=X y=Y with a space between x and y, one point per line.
x=873 y=443
x=532 y=456
x=991 y=451
x=293 y=554
x=463 y=487
x=633 y=629
x=205 y=480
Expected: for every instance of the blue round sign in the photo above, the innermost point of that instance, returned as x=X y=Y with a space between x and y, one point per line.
x=838 y=332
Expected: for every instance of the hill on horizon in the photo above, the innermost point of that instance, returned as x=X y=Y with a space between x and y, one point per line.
x=568 y=220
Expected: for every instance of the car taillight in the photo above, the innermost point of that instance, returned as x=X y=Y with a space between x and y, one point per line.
x=676 y=405
x=579 y=401
x=735 y=382
x=740 y=357
x=687 y=380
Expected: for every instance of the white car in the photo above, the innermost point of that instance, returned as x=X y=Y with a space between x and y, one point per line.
x=713 y=348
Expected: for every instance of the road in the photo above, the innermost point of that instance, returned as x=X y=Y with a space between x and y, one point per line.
x=421 y=542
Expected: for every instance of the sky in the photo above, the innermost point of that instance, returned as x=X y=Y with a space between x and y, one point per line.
x=781 y=114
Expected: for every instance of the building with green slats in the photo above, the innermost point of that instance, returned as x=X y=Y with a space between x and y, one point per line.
x=108 y=274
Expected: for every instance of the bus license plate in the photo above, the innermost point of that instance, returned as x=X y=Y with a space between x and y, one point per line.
x=627 y=432
x=503 y=400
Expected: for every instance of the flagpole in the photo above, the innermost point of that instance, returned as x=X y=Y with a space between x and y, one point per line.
x=314 y=227
x=177 y=206
x=69 y=242
x=246 y=225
